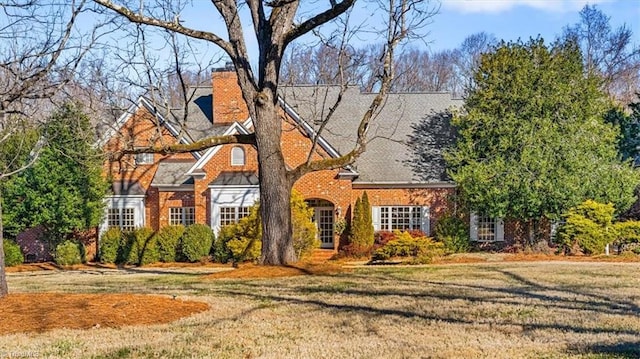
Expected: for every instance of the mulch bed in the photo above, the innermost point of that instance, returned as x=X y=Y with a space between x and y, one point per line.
x=40 y=312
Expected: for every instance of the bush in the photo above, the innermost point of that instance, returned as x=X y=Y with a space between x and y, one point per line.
x=421 y=249
x=362 y=233
x=242 y=241
x=110 y=245
x=168 y=242
x=69 y=253
x=12 y=253
x=627 y=235
x=588 y=228
x=453 y=232
x=196 y=242
x=139 y=247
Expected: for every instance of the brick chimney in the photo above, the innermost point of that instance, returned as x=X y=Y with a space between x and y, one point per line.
x=228 y=104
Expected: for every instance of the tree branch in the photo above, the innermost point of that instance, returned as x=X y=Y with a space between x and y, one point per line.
x=172 y=26
x=336 y=10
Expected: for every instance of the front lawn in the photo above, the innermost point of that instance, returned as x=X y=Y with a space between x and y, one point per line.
x=493 y=310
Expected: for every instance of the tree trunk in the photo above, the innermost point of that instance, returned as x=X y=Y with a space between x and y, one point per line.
x=275 y=186
x=532 y=228
x=4 y=289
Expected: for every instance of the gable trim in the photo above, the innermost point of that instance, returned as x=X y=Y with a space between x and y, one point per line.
x=235 y=128
x=324 y=144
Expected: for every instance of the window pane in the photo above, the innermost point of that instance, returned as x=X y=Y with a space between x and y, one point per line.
x=127 y=219
x=237 y=156
x=384 y=218
x=243 y=212
x=113 y=217
x=189 y=215
x=486 y=229
x=175 y=216
x=227 y=216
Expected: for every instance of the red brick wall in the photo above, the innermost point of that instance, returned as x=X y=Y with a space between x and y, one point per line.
x=228 y=104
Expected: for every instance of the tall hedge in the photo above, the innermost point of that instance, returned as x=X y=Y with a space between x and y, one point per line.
x=196 y=242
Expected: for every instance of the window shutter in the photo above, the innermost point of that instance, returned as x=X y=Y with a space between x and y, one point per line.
x=375 y=213
x=425 y=221
x=499 y=229
x=473 y=226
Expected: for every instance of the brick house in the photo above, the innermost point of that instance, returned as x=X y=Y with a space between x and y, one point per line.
x=218 y=185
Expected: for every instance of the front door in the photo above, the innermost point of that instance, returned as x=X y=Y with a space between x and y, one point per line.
x=324 y=223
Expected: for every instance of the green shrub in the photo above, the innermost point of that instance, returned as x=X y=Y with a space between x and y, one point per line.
x=110 y=245
x=627 y=235
x=168 y=242
x=588 y=228
x=362 y=233
x=139 y=247
x=12 y=253
x=420 y=249
x=305 y=232
x=196 y=242
x=242 y=241
x=69 y=253
x=453 y=232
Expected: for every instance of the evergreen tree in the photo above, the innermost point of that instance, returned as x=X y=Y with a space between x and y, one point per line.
x=367 y=220
x=64 y=190
x=532 y=141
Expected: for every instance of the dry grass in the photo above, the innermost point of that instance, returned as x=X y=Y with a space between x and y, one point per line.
x=548 y=309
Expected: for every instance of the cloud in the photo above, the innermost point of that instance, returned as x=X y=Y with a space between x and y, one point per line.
x=498 y=6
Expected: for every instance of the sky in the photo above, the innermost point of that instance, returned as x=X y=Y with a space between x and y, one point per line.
x=513 y=19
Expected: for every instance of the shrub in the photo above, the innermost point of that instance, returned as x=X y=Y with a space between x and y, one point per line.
x=242 y=241
x=627 y=234
x=110 y=245
x=305 y=232
x=362 y=233
x=421 y=249
x=12 y=253
x=588 y=228
x=196 y=242
x=139 y=247
x=453 y=232
x=69 y=253
x=168 y=242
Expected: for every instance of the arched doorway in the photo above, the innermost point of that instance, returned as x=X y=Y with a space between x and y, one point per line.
x=324 y=218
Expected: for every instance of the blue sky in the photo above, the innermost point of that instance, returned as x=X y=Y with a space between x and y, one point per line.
x=513 y=19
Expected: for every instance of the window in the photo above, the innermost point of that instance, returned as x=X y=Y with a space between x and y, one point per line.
x=231 y=215
x=144 y=158
x=486 y=228
x=401 y=218
x=123 y=218
x=237 y=156
x=182 y=215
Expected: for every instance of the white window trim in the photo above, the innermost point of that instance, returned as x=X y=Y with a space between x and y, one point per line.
x=135 y=202
x=143 y=159
x=230 y=196
x=473 y=226
x=238 y=156
x=379 y=226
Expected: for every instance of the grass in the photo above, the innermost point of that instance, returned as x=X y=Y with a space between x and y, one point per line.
x=482 y=310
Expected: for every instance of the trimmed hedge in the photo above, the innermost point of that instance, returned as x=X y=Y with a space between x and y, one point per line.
x=69 y=253
x=418 y=249
x=196 y=242
x=110 y=244
x=168 y=242
x=13 y=255
x=140 y=247
x=453 y=232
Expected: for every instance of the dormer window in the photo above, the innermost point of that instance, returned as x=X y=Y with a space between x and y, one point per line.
x=237 y=156
x=144 y=158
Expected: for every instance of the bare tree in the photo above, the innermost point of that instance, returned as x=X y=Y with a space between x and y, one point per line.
x=467 y=59
x=607 y=52
x=40 y=51
x=275 y=26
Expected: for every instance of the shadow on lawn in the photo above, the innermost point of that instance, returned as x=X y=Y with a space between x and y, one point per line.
x=619 y=350
x=525 y=292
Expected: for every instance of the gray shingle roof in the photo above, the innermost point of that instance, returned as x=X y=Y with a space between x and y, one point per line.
x=172 y=174
x=387 y=156
x=235 y=179
x=127 y=188
x=198 y=122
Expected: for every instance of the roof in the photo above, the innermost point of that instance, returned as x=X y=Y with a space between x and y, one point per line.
x=199 y=123
x=172 y=174
x=388 y=156
x=127 y=188
x=235 y=179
